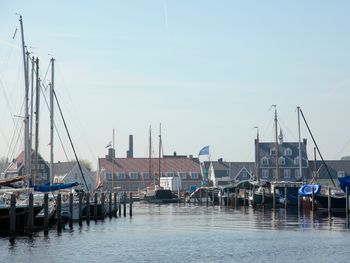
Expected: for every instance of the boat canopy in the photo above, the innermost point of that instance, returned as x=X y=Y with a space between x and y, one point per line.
x=54 y=187
x=306 y=189
x=344 y=182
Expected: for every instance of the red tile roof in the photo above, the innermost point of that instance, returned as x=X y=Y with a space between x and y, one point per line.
x=168 y=164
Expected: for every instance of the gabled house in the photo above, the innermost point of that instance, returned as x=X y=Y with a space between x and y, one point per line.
x=69 y=172
x=133 y=174
x=288 y=161
x=16 y=168
x=337 y=168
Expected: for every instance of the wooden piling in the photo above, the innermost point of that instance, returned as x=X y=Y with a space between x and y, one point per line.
x=298 y=203
x=120 y=205
x=59 y=212
x=347 y=203
x=244 y=197
x=130 y=205
x=30 y=215
x=124 y=204
x=313 y=200
x=80 y=209
x=46 y=213
x=110 y=212
x=207 y=196
x=274 y=198
x=115 y=204
x=103 y=208
x=263 y=197
x=285 y=197
x=221 y=193
x=213 y=197
x=236 y=196
x=200 y=196
x=87 y=196
x=95 y=206
x=329 y=201
x=71 y=210
x=12 y=225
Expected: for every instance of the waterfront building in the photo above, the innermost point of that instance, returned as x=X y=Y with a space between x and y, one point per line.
x=69 y=172
x=133 y=174
x=39 y=173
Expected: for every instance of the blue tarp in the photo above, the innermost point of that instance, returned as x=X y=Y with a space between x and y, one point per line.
x=53 y=187
x=306 y=189
x=344 y=182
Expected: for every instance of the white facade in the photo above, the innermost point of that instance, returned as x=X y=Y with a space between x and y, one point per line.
x=171 y=183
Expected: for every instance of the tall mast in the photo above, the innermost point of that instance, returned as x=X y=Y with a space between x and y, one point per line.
x=52 y=119
x=276 y=144
x=26 y=84
x=37 y=98
x=113 y=156
x=299 y=145
x=257 y=154
x=150 y=155
x=30 y=139
x=160 y=152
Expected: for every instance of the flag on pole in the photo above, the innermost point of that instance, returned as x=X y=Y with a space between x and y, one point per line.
x=109 y=145
x=204 y=151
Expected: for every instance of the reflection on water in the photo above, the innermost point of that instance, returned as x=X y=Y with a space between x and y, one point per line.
x=189 y=233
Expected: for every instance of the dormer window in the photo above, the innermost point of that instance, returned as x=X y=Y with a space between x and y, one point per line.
x=296 y=160
x=265 y=161
x=272 y=151
x=288 y=152
x=281 y=161
x=341 y=174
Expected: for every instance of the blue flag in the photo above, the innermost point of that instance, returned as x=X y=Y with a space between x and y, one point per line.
x=204 y=151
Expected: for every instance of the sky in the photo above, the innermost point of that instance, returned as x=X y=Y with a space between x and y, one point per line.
x=208 y=71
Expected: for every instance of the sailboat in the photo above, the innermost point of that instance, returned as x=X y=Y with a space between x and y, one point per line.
x=156 y=194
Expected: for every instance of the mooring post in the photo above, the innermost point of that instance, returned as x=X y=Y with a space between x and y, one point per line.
x=274 y=197
x=213 y=197
x=120 y=204
x=228 y=198
x=124 y=204
x=207 y=196
x=110 y=205
x=59 y=212
x=221 y=193
x=329 y=201
x=253 y=195
x=103 y=209
x=263 y=197
x=30 y=215
x=70 y=210
x=46 y=213
x=245 y=195
x=87 y=196
x=298 y=202
x=347 y=204
x=200 y=196
x=236 y=197
x=285 y=197
x=130 y=205
x=115 y=204
x=95 y=206
x=80 y=209
x=13 y=217
x=313 y=200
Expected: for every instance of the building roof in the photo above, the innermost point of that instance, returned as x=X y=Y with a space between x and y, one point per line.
x=63 y=168
x=168 y=164
x=334 y=167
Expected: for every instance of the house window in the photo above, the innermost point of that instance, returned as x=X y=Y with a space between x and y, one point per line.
x=341 y=173
x=145 y=176
x=272 y=151
x=296 y=160
x=265 y=161
x=194 y=176
x=109 y=176
x=182 y=175
x=264 y=173
x=134 y=175
x=286 y=173
x=170 y=174
x=281 y=161
x=297 y=173
x=121 y=176
x=244 y=175
x=42 y=166
x=288 y=152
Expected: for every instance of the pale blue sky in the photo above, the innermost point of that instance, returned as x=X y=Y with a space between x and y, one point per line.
x=207 y=70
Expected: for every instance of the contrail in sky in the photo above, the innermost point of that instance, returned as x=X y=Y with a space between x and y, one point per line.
x=166 y=16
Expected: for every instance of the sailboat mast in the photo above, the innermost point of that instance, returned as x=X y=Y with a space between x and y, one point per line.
x=113 y=156
x=299 y=145
x=37 y=98
x=160 y=152
x=257 y=155
x=26 y=84
x=51 y=119
x=276 y=144
x=30 y=139
x=150 y=156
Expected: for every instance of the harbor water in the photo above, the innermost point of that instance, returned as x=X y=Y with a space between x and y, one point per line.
x=190 y=233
